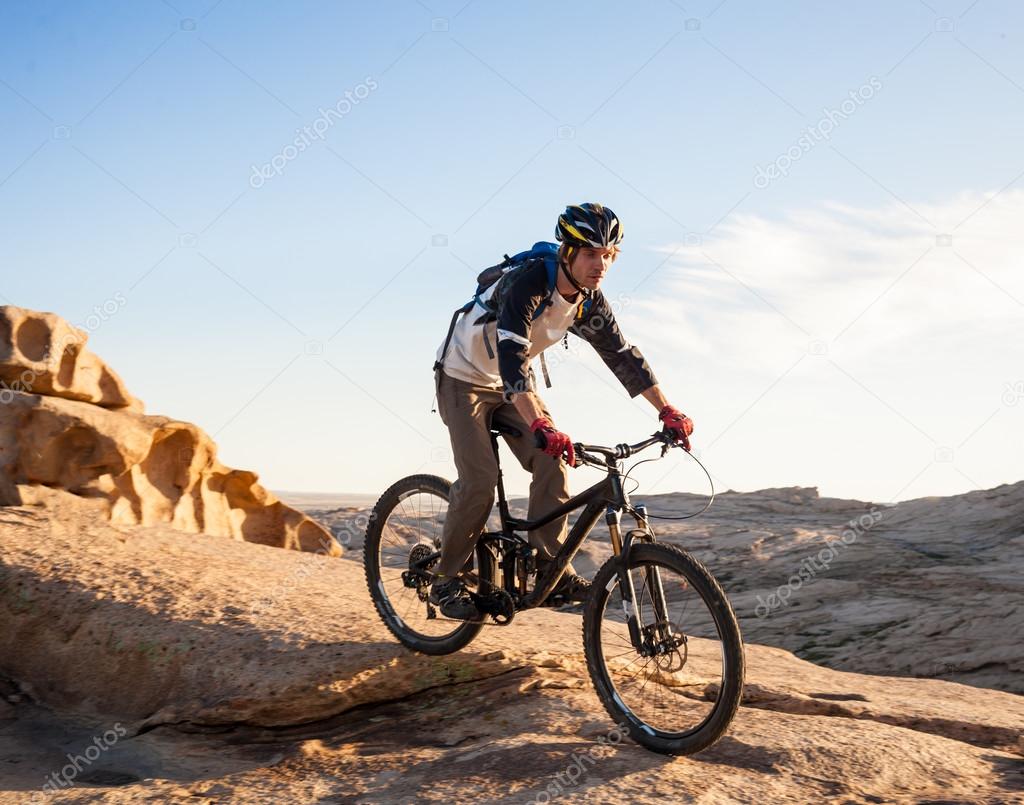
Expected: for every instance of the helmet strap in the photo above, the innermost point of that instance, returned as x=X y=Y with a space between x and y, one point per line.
x=570 y=252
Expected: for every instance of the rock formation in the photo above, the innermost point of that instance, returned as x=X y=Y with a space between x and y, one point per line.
x=69 y=425
x=43 y=354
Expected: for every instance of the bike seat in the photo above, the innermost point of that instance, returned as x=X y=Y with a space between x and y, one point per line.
x=498 y=426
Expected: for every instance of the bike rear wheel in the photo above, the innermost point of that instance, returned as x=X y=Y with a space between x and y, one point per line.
x=406 y=526
x=681 y=696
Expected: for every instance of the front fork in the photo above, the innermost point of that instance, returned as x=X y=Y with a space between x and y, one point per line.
x=642 y=642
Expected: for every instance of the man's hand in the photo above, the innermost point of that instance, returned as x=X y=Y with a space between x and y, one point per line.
x=555 y=442
x=678 y=423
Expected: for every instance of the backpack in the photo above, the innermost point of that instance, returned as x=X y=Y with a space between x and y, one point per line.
x=503 y=275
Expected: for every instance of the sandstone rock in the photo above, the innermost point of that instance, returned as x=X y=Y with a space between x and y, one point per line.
x=41 y=353
x=69 y=425
x=927 y=588
x=352 y=717
x=145 y=469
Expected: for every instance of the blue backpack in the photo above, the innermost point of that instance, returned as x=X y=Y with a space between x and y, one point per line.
x=503 y=275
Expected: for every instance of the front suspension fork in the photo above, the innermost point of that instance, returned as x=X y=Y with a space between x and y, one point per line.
x=652 y=581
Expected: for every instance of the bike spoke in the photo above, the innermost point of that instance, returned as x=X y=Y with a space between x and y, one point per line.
x=668 y=689
x=414 y=522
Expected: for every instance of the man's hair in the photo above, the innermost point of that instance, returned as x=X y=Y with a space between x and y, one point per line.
x=567 y=252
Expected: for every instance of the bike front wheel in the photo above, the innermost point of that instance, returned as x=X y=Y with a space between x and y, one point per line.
x=678 y=692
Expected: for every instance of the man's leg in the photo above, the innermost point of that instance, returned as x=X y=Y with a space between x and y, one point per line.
x=549 y=487
x=466 y=411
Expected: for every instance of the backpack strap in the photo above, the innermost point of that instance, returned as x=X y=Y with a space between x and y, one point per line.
x=487 y=341
x=550 y=258
x=549 y=253
x=544 y=371
x=439 y=363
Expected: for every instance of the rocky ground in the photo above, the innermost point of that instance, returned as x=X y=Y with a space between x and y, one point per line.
x=931 y=588
x=179 y=667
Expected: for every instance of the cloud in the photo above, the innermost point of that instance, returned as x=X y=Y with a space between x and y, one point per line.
x=852 y=348
x=856 y=280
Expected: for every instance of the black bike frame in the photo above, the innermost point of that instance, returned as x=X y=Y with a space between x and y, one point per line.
x=607 y=496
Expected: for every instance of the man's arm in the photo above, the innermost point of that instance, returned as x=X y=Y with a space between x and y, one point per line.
x=529 y=406
x=654 y=396
x=514 y=324
x=629 y=366
x=601 y=331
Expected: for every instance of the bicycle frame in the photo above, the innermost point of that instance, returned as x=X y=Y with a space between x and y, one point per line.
x=606 y=495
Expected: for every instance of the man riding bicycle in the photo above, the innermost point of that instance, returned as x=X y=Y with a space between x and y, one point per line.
x=474 y=385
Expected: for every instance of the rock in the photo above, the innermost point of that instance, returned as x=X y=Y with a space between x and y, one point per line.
x=76 y=433
x=928 y=588
x=343 y=713
x=41 y=353
x=145 y=469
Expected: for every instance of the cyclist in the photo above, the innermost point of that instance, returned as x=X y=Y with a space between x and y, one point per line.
x=473 y=384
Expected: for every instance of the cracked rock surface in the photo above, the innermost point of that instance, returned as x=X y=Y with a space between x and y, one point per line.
x=930 y=588
x=242 y=673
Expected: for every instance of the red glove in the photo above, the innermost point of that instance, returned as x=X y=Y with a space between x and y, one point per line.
x=678 y=423
x=555 y=442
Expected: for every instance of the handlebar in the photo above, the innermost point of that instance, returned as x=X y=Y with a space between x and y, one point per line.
x=589 y=453
x=620 y=451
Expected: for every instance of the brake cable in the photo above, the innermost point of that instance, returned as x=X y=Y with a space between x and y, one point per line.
x=667 y=516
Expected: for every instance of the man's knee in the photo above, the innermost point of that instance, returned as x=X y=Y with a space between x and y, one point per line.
x=551 y=472
x=476 y=490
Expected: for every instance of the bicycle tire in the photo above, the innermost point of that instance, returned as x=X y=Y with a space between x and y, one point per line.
x=724 y=710
x=462 y=634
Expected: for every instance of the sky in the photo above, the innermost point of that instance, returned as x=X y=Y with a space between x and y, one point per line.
x=263 y=214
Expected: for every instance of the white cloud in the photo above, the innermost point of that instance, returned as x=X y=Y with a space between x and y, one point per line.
x=920 y=338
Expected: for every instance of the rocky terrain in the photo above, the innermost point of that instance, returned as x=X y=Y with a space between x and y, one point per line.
x=200 y=683
x=932 y=587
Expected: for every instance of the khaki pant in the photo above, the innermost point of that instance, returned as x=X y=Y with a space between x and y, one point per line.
x=466 y=410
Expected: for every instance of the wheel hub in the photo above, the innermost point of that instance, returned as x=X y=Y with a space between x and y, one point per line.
x=414 y=577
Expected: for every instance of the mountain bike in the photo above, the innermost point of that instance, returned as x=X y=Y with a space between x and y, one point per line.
x=662 y=645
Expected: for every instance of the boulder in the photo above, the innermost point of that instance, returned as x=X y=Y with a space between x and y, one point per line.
x=75 y=430
x=43 y=354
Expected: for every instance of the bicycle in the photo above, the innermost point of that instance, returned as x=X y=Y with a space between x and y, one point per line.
x=635 y=640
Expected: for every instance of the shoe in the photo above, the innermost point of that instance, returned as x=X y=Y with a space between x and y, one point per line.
x=573 y=588
x=451 y=597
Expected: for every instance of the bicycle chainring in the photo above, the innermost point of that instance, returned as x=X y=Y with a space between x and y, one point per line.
x=497 y=603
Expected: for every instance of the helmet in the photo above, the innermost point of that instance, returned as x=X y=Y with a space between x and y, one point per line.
x=588 y=224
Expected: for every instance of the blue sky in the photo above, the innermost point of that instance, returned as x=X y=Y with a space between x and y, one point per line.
x=853 y=324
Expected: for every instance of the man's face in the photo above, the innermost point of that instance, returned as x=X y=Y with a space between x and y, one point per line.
x=591 y=265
